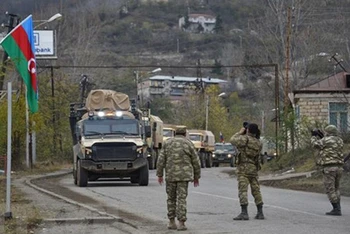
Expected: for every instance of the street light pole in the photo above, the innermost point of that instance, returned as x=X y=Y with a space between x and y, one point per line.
x=57 y=16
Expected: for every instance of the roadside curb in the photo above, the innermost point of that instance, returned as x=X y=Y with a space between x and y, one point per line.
x=106 y=218
x=280 y=177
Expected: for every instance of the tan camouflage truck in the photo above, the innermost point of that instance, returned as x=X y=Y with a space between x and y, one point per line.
x=204 y=142
x=108 y=139
x=155 y=141
x=168 y=131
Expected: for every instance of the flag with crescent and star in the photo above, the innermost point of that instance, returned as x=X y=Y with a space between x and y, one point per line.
x=19 y=45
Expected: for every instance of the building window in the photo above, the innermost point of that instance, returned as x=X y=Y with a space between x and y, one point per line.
x=338 y=115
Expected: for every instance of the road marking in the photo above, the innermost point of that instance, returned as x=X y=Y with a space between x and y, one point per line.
x=272 y=206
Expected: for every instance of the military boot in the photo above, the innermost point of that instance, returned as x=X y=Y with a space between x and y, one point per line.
x=172 y=224
x=260 y=214
x=336 y=210
x=244 y=213
x=182 y=226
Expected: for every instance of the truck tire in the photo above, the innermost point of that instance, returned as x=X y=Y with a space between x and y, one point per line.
x=82 y=175
x=75 y=177
x=202 y=159
x=232 y=162
x=152 y=161
x=143 y=176
x=208 y=160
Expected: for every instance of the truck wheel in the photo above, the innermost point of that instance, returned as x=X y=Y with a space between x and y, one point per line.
x=75 y=176
x=231 y=163
x=202 y=159
x=143 y=176
x=208 y=160
x=82 y=175
x=151 y=161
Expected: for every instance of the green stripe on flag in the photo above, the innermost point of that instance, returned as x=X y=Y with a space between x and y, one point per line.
x=21 y=63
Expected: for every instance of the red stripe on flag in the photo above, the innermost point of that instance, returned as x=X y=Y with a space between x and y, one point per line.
x=22 y=40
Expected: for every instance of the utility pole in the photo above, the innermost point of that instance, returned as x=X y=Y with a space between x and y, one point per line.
x=10 y=25
x=286 y=80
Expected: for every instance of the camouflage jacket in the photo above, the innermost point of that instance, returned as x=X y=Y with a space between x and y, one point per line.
x=330 y=150
x=249 y=147
x=179 y=159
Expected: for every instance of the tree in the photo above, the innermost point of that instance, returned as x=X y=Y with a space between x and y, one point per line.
x=218 y=25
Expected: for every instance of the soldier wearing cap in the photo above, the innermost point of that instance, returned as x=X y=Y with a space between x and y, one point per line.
x=330 y=159
x=181 y=163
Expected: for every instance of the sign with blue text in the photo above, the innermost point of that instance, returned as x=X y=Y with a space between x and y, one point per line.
x=45 y=44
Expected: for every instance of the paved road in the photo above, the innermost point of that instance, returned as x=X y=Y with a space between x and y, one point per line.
x=213 y=204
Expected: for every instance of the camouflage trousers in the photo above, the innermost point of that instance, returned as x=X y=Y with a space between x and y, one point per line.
x=177 y=194
x=331 y=181
x=243 y=182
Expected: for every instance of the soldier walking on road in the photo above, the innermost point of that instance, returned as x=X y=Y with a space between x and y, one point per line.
x=248 y=165
x=330 y=159
x=181 y=163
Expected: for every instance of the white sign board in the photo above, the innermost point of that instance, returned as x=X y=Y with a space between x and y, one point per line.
x=45 y=44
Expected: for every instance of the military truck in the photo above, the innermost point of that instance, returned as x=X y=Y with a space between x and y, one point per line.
x=204 y=142
x=108 y=139
x=155 y=141
x=168 y=131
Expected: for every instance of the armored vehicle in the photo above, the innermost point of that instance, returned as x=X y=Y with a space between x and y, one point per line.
x=108 y=139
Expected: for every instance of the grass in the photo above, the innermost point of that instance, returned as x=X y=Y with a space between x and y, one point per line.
x=25 y=216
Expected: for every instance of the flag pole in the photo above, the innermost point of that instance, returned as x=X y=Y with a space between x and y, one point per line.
x=8 y=214
x=27 y=131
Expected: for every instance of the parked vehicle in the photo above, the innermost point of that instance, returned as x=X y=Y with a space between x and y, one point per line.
x=224 y=153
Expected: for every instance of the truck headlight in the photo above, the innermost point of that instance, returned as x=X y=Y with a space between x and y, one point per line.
x=213 y=155
x=88 y=152
x=229 y=155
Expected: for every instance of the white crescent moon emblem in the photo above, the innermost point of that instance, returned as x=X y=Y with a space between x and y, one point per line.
x=31 y=65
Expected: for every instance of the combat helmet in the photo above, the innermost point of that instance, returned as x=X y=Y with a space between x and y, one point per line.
x=331 y=130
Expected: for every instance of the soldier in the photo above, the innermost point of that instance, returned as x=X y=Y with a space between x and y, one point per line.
x=330 y=159
x=181 y=163
x=248 y=165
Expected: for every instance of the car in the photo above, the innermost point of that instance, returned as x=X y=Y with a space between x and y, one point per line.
x=224 y=153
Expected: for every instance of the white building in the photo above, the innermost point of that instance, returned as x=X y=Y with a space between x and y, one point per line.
x=174 y=87
x=207 y=22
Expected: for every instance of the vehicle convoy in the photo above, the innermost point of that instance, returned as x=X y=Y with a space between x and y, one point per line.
x=204 y=142
x=224 y=153
x=108 y=139
x=155 y=141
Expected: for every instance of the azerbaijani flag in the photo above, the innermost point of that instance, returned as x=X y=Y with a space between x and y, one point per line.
x=19 y=45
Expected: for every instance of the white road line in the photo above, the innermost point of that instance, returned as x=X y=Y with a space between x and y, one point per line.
x=272 y=206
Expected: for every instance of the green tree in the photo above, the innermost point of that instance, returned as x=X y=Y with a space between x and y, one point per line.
x=217 y=67
x=218 y=25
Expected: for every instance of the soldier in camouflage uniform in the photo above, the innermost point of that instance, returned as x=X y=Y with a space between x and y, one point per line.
x=330 y=159
x=248 y=164
x=181 y=163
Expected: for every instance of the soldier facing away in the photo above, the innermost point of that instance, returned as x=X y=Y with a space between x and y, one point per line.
x=330 y=159
x=248 y=165
x=181 y=163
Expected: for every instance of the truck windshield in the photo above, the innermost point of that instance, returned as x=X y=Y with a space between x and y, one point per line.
x=168 y=133
x=111 y=126
x=227 y=147
x=195 y=137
